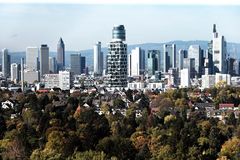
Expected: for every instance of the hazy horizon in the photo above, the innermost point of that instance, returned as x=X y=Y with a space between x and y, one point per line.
x=81 y=25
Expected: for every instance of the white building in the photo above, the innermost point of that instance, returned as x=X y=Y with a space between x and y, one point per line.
x=136 y=85
x=97 y=59
x=155 y=85
x=223 y=78
x=208 y=81
x=64 y=80
x=219 y=50
x=31 y=76
x=195 y=52
x=44 y=60
x=51 y=80
x=32 y=58
x=136 y=62
x=14 y=72
x=185 y=78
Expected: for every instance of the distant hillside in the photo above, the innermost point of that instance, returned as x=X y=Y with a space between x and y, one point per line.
x=233 y=50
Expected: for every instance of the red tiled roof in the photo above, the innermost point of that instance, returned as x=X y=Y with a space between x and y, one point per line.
x=222 y=105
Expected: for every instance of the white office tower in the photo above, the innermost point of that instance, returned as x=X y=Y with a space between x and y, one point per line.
x=5 y=63
x=22 y=74
x=185 y=78
x=64 y=80
x=219 y=50
x=117 y=59
x=169 y=56
x=44 y=60
x=14 y=72
x=195 y=52
x=32 y=58
x=136 y=62
x=52 y=65
x=97 y=59
x=31 y=76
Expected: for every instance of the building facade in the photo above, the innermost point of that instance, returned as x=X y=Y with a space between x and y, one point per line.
x=14 y=72
x=117 y=59
x=32 y=58
x=136 y=62
x=6 y=60
x=44 y=60
x=61 y=55
x=169 y=56
x=97 y=59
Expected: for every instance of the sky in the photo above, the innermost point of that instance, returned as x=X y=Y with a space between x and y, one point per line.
x=82 y=25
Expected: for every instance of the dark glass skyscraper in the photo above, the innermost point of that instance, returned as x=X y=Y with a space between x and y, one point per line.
x=60 y=54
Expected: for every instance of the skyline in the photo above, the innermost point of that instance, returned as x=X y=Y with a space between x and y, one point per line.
x=23 y=26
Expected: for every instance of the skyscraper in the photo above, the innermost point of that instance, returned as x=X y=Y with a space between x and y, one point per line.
x=219 y=50
x=5 y=63
x=76 y=64
x=52 y=65
x=169 y=56
x=153 y=62
x=136 y=62
x=97 y=59
x=117 y=59
x=14 y=72
x=61 y=54
x=196 y=53
x=182 y=54
x=44 y=60
x=32 y=58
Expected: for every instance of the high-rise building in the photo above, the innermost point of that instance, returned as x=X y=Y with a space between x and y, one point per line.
x=6 y=63
x=185 y=78
x=136 y=62
x=190 y=64
x=44 y=60
x=117 y=59
x=219 y=50
x=52 y=65
x=182 y=54
x=97 y=59
x=152 y=62
x=76 y=66
x=169 y=56
x=14 y=72
x=83 y=65
x=61 y=54
x=32 y=58
x=196 y=53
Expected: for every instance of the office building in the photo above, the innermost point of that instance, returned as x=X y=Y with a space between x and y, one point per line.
x=136 y=62
x=117 y=59
x=6 y=60
x=32 y=58
x=83 y=65
x=52 y=65
x=208 y=81
x=51 y=80
x=97 y=59
x=185 y=78
x=61 y=54
x=169 y=56
x=190 y=64
x=31 y=76
x=182 y=54
x=219 y=50
x=153 y=62
x=78 y=64
x=44 y=60
x=195 y=52
x=14 y=72
x=65 y=80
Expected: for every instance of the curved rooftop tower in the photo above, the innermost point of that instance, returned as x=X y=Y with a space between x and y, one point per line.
x=118 y=33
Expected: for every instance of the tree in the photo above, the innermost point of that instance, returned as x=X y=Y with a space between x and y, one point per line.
x=231 y=149
x=3 y=126
x=88 y=155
